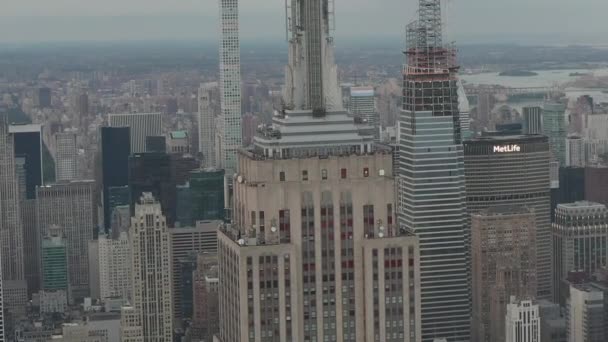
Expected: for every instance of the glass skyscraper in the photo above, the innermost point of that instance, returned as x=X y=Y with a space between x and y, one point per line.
x=115 y=151
x=431 y=184
x=554 y=127
x=54 y=262
x=28 y=145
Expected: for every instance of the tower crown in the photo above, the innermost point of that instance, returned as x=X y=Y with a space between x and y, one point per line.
x=311 y=78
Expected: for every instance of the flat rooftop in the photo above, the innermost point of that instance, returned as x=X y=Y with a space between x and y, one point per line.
x=179 y=135
x=505 y=138
x=26 y=128
x=504 y=210
x=582 y=205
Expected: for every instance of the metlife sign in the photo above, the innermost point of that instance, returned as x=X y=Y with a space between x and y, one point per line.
x=507 y=148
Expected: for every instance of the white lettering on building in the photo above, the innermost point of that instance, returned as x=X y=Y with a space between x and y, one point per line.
x=507 y=148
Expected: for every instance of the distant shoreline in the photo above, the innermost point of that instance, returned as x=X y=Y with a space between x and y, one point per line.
x=518 y=73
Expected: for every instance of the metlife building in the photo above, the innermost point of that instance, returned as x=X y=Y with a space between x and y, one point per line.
x=513 y=170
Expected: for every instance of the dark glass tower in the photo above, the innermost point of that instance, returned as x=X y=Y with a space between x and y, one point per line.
x=115 y=151
x=28 y=145
x=159 y=174
x=207 y=188
x=151 y=172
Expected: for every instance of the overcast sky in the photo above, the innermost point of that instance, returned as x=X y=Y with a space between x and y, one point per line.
x=567 y=21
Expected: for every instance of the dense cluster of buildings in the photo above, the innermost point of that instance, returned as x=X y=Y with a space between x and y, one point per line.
x=312 y=226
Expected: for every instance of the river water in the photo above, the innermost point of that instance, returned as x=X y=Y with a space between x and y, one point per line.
x=545 y=78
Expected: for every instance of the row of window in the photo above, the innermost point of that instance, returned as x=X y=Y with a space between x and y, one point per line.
x=343 y=174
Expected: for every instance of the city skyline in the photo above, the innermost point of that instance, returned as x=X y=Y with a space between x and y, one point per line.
x=394 y=191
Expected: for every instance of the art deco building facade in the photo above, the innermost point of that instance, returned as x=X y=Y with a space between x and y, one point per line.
x=507 y=170
x=151 y=258
x=580 y=241
x=130 y=325
x=522 y=321
x=115 y=267
x=315 y=254
x=503 y=241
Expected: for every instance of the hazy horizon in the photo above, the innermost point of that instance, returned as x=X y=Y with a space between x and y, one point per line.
x=468 y=21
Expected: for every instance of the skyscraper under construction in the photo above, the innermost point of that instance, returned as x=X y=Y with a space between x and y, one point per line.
x=431 y=184
x=314 y=252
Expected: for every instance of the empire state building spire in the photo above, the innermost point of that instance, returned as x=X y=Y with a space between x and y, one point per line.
x=311 y=76
x=311 y=121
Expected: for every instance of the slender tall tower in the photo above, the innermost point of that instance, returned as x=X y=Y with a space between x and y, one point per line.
x=230 y=83
x=431 y=184
x=206 y=126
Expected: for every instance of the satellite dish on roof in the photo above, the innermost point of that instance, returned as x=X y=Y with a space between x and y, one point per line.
x=241 y=242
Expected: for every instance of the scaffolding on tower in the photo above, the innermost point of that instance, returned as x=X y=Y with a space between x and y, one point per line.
x=426 y=53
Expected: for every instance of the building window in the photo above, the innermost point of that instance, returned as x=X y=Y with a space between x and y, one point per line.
x=262 y=224
x=366 y=172
x=282 y=176
x=285 y=226
x=304 y=175
x=324 y=174
x=368 y=220
x=343 y=173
